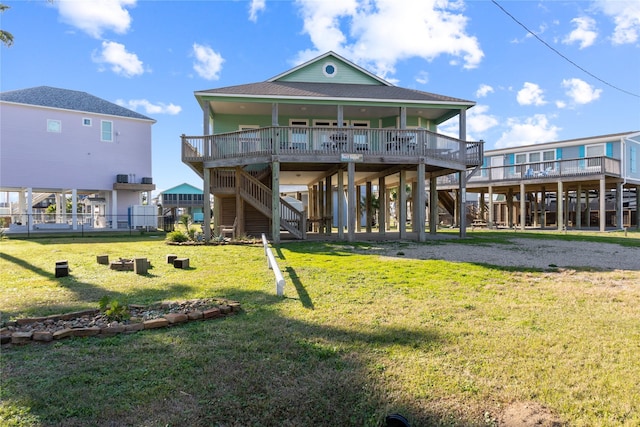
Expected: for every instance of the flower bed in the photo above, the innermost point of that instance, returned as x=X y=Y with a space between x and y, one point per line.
x=97 y=323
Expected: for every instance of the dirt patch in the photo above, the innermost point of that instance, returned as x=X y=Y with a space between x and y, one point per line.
x=528 y=414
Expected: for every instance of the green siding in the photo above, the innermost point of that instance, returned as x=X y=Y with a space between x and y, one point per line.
x=344 y=73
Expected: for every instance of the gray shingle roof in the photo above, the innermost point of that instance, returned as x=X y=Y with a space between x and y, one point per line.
x=46 y=96
x=332 y=91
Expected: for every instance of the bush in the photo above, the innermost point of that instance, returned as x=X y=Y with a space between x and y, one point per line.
x=177 y=237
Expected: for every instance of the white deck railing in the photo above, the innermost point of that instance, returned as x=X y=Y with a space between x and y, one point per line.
x=314 y=141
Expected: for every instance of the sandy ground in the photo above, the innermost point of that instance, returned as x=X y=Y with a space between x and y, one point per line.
x=524 y=252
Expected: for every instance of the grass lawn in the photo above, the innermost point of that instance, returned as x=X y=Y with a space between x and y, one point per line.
x=355 y=338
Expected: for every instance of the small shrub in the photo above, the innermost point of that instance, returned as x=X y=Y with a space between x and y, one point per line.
x=113 y=309
x=192 y=233
x=177 y=237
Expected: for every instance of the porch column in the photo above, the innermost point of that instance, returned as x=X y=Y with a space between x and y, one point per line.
x=536 y=209
x=61 y=206
x=419 y=203
x=239 y=220
x=206 y=205
x=463 y=203
x=619 y=205
x=206 y=119
x=275 y=202
x=359 y=208
x=462 y=125
x=510 y=208
x=490 y=220
x=340 y=114
x=402 y=205
x=383 y=208
x=369 y=201
x=603 y=205
x=523 y=206
x=567 y=208
x=274 y=114
x=322 y=207
x=403 y=117
x=340 y=201
x=29 y=209
x=638 y=207
x=114 y=209
x=587 y=202
x=543 y=208
x=351 y=201
x=387 y=202
x=74 y=209
x=433 y=204
x=560 y=207
x=579 y=207
x=329 y=205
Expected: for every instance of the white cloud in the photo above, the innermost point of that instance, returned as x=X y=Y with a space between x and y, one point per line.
x=378 y=33
x=532 y=130
x=580 y=91
x=254 y=7
x=561 y=104
x=122 y=62
x=149 y=108
x=478 y=122
x=208 y=63
x=626 y=16
x=484 y=90
x=584 y=32
x=96 y=16
x=530 y=94
x=422 y=77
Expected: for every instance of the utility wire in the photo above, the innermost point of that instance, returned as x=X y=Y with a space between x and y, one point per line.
x=561 y=55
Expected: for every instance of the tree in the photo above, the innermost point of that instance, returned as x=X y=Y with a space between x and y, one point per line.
x=5 y=36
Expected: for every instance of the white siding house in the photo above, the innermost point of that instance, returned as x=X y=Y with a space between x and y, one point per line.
x=75 y=146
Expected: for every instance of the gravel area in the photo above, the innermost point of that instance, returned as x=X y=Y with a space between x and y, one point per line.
x=524 y=252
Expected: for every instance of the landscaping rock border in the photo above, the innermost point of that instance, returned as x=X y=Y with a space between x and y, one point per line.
x=90 y=323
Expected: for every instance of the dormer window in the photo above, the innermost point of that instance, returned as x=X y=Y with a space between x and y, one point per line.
x=329 y=69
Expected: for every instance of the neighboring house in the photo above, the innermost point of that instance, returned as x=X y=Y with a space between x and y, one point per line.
x=578 y=183
x=331 y=126
x=182 y=199
x=73 y=145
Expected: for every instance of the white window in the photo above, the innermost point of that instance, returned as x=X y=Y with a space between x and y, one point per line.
x=86 y=122
x=548 y=155
x=597 y=150
x=329 y=69
x=54 y=126
x=534 y=157
x=298 y=138
x=106 y=128
x=521 y=158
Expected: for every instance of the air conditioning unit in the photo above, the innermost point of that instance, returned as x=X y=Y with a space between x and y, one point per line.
x=147 y=180
x=122 y=179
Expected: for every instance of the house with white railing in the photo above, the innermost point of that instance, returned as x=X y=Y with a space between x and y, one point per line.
x=591 y=182
x=92 y=156
x=334 y=128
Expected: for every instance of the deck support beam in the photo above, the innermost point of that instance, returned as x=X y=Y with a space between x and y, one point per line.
x=369 y=201
x=340 y=201
x=351 y=201
x=419 y=202
x=402 y=205
x=523 y=206
x=433 y=204
x=275 y=202
x=603 y=204
x=490 y=220
x=619 y=207
x=382 y=205
x=206 y=208
x=560 y=207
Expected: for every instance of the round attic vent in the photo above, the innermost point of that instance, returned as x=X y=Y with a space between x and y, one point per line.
x=329 y=69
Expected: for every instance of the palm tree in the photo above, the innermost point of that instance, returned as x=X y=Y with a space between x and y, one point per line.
x=5 y=36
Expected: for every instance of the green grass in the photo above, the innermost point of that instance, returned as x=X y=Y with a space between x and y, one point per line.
x=355 y=338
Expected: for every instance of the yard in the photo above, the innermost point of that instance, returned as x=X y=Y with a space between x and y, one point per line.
x=364 y=330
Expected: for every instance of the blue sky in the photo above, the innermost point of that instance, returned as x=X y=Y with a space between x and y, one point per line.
x=151 y=56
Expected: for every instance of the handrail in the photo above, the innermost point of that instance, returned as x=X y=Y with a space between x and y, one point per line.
x=282 y=140
x=273 y=265
x=586 y=166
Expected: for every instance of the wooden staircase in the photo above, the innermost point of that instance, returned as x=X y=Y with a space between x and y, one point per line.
x=258 y=195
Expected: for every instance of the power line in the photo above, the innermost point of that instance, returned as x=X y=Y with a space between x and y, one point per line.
x=561 y=55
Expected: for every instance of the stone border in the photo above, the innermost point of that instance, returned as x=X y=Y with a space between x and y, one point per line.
x=170 y=319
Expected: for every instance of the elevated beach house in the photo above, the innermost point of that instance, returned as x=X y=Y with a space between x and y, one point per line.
x=81 y=150
x=335 y=128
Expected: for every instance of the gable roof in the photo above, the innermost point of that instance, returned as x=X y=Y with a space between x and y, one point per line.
x=183 y=188
x=330 y=56
x=330 y=91
x=65 y=99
